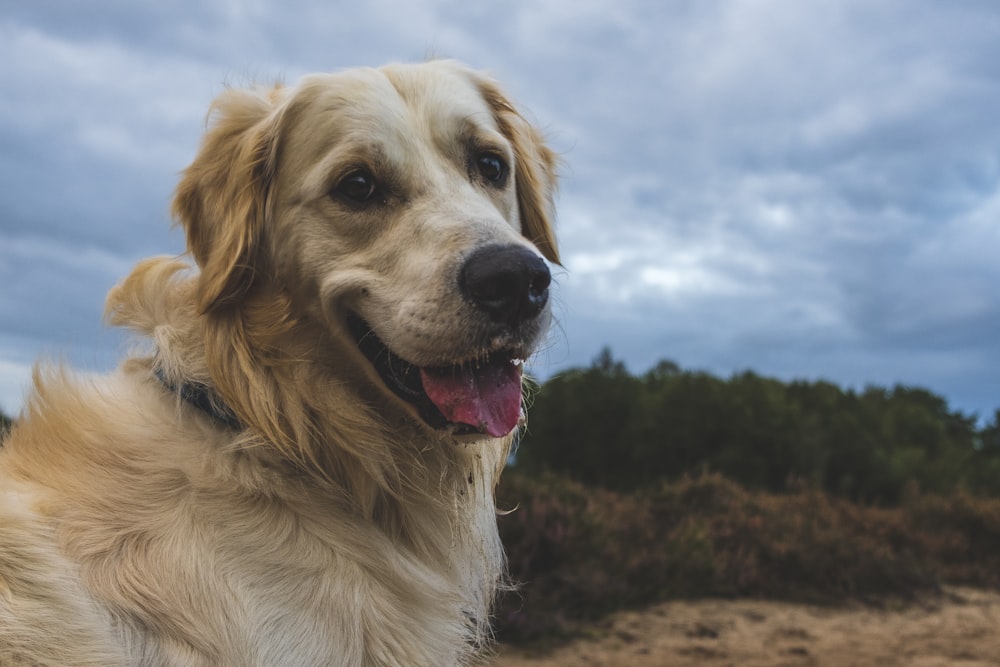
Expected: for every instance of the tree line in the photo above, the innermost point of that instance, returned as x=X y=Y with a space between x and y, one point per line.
x=603 y=426
x=5 y=424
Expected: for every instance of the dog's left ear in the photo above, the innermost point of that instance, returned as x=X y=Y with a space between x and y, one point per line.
x=222 y=198
x=534 y=170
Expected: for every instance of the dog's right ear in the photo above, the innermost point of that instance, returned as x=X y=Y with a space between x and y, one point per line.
x=222 y=198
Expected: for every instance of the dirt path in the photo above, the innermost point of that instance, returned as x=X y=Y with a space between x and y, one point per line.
x=961 y=629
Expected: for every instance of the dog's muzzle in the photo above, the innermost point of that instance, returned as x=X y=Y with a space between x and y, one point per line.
x=509 y=284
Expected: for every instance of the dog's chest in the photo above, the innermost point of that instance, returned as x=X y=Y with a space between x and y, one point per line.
x=279 y=589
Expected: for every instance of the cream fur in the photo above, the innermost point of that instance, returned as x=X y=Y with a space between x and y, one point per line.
x=336 y=528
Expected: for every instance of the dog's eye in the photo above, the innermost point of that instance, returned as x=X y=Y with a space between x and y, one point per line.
x=492 y=168
x=358 y=186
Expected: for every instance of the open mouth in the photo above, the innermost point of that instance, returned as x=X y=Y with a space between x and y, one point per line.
x=476 y=396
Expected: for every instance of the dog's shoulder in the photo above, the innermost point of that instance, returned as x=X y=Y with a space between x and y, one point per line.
x=46 y=615
x=113 y=496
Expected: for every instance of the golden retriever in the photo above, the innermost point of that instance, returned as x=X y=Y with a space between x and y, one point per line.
x=298 y=466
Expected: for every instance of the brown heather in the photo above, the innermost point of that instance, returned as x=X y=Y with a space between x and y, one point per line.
x=580 y=553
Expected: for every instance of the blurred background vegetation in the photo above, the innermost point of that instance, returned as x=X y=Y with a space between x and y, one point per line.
x=602 y=426
x=629 y=490
x=5 y=424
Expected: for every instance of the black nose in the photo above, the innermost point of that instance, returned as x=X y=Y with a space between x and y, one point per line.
x=509 y=282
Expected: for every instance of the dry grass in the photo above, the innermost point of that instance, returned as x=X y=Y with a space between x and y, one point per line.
x=958 y=628
x=581 y=554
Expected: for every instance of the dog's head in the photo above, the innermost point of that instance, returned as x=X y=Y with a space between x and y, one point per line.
x=405 y=210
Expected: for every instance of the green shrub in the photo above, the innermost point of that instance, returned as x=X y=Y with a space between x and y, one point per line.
x=5 y=425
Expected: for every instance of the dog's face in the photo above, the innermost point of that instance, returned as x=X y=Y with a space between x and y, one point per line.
x=406 y=209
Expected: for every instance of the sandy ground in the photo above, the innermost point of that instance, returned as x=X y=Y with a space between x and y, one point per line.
x=962 y=628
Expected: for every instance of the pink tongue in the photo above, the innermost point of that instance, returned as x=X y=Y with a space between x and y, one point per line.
x=486 y=398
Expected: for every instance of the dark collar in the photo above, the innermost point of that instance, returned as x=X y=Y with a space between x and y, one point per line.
x=204 y=398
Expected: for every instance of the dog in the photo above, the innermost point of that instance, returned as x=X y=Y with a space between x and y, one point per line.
x=296 y=464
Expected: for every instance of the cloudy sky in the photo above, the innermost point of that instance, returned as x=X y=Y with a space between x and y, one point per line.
x=806 y=189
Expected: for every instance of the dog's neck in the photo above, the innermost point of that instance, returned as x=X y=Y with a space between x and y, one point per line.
x=203 y=398
x=430 y=494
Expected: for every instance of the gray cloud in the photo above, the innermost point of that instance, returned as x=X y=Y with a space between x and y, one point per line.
x=807 y=189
